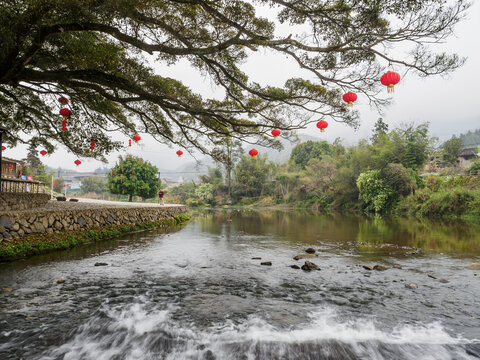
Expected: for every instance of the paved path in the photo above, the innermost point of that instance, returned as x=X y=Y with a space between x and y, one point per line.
x=86 y=204
x=104 y=203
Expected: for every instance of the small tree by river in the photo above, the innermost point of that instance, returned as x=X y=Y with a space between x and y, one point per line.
x=133 y=176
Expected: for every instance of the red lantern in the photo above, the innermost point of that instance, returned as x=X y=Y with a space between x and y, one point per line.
x=141 y=187
x=322 y=125
x=63 y=100
x=179 y=153
x=253 y=153
x=350 y=98
x=111 y=173
x=11 y=167
x=4 y=148
x=133 y=171
x=129 y=142
x=19 y=167
x=77 y=162
x=137 y=138
x=390 y=79
x=43 y=153
x=65 y=112
x=276 y=133
x=121 y=180
x=92 y=145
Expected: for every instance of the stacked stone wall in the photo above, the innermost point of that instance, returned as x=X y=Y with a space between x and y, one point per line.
x=14 y=224
x=22 y=201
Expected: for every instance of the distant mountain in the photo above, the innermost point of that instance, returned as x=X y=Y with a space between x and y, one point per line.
x=471 y=138
x=192 y=170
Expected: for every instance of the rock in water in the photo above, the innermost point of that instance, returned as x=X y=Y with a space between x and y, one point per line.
x=256 y=258
x=296 y=267
x=380 y=268
x=100 y=264
x=367 y=267
x=304 y=256
x=309 y=266
x=411 y=286
x=473 y=266
x=310 y=251
x=266 y=263
x=60 y=281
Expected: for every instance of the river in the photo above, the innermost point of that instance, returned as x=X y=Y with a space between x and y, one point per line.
x=194 y=292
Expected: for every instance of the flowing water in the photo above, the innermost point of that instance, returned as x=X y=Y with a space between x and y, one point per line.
x=196 y=293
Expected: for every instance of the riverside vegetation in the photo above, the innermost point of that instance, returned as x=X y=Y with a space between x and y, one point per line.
x=385 y=174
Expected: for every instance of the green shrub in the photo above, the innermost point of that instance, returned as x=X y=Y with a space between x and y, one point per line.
x=377 y=194
x=448 y=203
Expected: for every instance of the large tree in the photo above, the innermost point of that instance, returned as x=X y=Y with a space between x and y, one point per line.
x=133 y=176
x=308 y=150
x=93 y=184
x=100 y=55
x=451 y=149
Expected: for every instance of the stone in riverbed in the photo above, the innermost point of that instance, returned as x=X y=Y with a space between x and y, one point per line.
x=266 y=263
x=256 y=258
x=411 y=286
x=367 y=267
x=60 y=281
x=101 y=264
x=310 y=251
x=309 y=266
x=296 y=267
x=473 y=266
x=304 y=256
x=380 y=268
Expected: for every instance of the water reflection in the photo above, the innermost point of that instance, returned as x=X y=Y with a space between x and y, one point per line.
x=446 y=237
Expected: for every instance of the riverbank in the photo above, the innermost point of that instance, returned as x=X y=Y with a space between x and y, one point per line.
x=61 y=225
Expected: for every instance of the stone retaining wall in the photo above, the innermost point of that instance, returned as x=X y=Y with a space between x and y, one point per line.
x=17 y=223
x=22 y=201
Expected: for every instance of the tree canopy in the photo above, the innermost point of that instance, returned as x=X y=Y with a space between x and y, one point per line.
x=93 y=184
x=308 y=150
x=100 y=54
x=134 y=177
x=451 y=149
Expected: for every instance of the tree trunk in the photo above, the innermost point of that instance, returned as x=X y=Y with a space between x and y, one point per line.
x=229 y=183
x=130 y=197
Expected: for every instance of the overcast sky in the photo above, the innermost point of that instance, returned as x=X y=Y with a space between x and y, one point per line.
x=450 y=105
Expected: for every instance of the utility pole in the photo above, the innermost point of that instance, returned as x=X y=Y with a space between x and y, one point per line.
x=159 y=181
x=2 y=131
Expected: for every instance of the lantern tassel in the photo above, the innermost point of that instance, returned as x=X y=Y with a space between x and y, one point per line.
x=390 y=89
x=322 y=130
x=253 y=157
x=350 y=103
